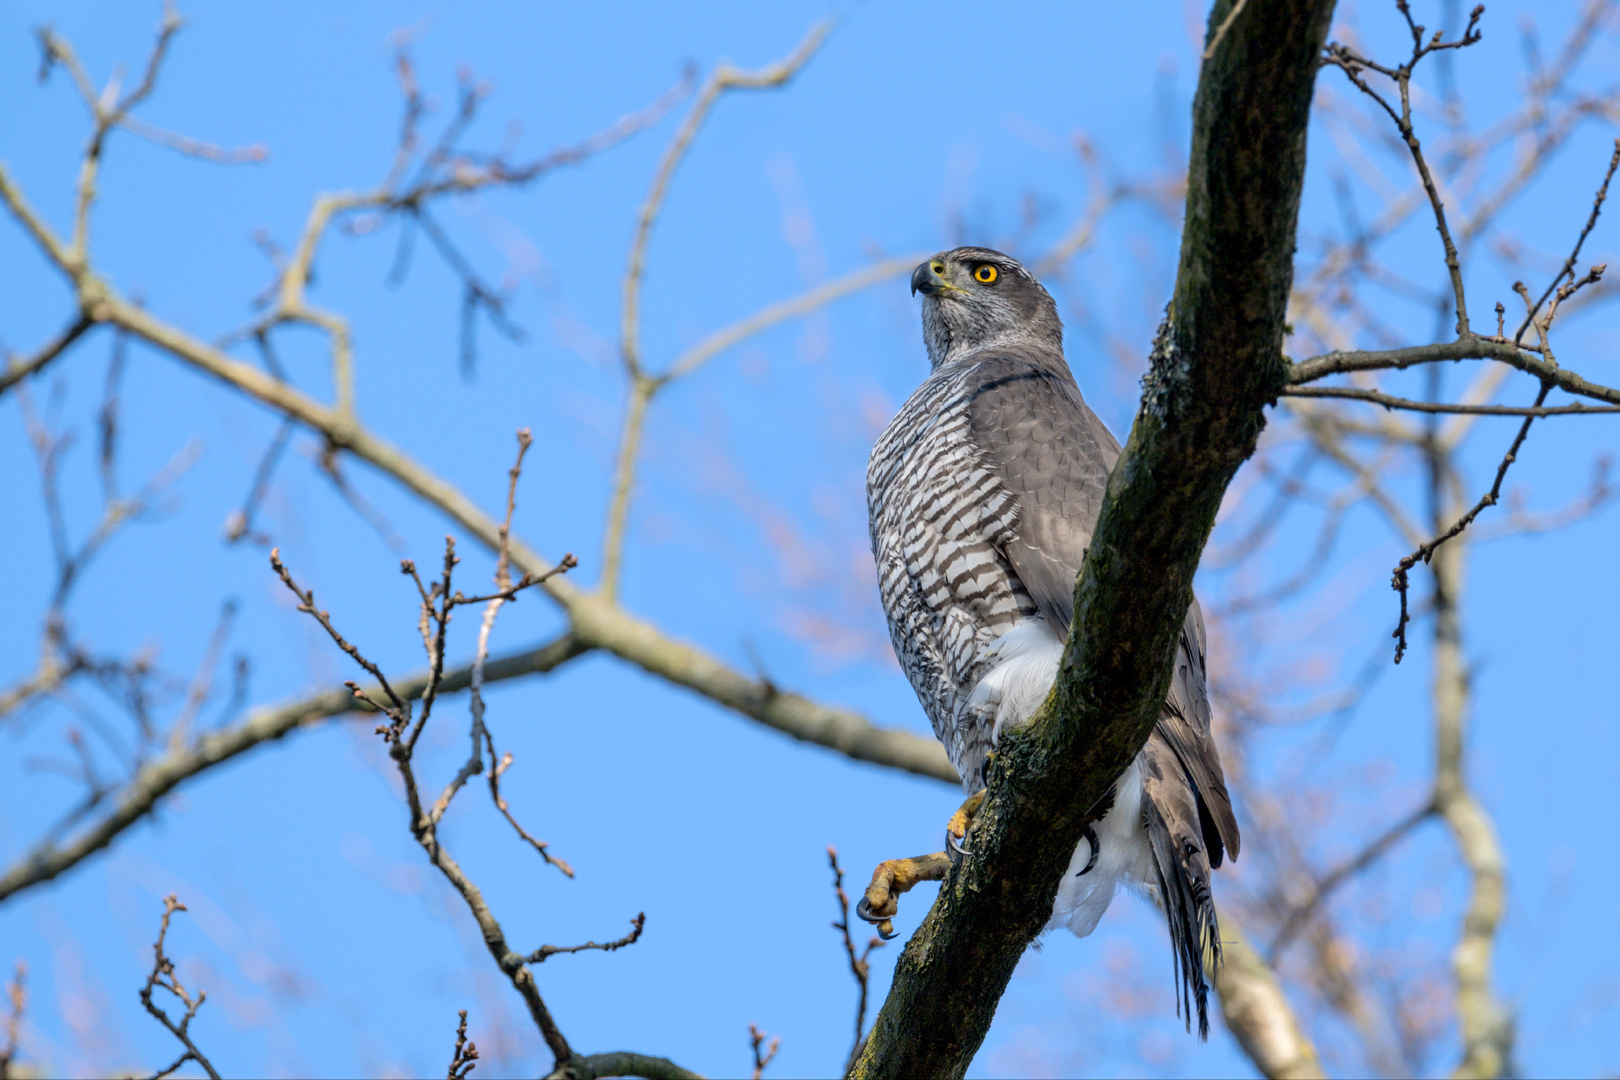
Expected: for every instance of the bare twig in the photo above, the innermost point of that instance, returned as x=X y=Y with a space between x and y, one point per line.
x=328 y=465
x=17 y=369
x=764 y=1051
x=503 y=581
x=1598 y=493
x=1487 y=1025
x=196 y=148
x=16 y=1005
x=1472 y=347
x=859 y=963
x=433 y=624
x=204 y=677
x=240 y=524
x=1425 y=551
x=772 y=314
x=642 y=385
x=724 y=78
x=163 y=977
x=1389 y=401
x=1328 y=883
x=1353 y=64
x=465 y=1058
x=399 y=710
x=1568 y=270
x=545 y=952
x=496 y=770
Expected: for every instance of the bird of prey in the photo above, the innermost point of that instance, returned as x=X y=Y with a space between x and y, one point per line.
x=983 y=493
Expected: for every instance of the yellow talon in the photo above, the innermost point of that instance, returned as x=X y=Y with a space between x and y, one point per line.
x=893 y=877
x=956 y=829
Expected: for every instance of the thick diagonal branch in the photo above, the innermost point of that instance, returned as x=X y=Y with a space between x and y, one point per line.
x=1216 y=366
x=1257 y=1014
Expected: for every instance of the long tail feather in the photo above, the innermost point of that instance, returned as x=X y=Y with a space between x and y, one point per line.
x=1174 y=829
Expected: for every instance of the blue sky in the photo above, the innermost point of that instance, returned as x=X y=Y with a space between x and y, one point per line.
x=325 y=942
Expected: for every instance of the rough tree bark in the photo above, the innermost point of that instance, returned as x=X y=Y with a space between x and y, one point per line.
x=1215 y=367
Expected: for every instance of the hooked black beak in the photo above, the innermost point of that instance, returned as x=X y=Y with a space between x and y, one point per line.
x=924 y=279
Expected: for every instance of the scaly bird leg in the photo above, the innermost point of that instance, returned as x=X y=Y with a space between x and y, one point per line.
x=956 y=828
x=890 y=879
x=895 y=876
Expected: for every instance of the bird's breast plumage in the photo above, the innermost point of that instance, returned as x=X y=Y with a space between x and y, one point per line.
x=940 y=518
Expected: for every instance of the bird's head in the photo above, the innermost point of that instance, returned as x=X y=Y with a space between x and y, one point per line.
x=975 y=297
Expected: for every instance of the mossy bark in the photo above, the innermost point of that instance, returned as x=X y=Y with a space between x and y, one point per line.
x=1216 y=366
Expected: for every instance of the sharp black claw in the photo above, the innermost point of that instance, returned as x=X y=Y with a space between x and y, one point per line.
x=1096 y=849
x=864 y=910
x=956 y=846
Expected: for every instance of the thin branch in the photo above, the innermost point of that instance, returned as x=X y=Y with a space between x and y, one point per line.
x=240 y=524
x=1518 y=523
x=1568 y=270
x=859 y=963
x=545 y=952
x=18 y=369
x=163 y=977
x=642 y=385
x=16 y=1006
x=155 y=779
x=1425 y=552
x=1328 y=883
x=1389 y=401
x=495 y=773
x=327 y=465
x=1487 y=1025
x=1470 y=347
x=725 y=77
x=772 y=314
x=642 y=388
x=1352 y=64
x=465 y=1058
x=306 y=603
x=197 y=148
x=204 y=677
x=764 y=1052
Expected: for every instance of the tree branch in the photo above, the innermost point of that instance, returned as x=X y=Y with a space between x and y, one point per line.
x=157 y=778
x=1389 y=401
x=1467 y=347
x=1256 y=1012
x=1346 y=870
x=18 y=369
x=621 y=1063
x=1215 y=367
x=1487 y=1025
x=642 y=385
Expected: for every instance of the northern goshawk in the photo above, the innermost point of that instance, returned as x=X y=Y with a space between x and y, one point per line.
x=983 y=493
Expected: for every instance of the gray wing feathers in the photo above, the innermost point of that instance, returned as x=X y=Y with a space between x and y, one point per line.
x=1185 y=726
x=1053 y=455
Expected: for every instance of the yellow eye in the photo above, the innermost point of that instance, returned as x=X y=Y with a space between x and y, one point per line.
x=986 y=273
